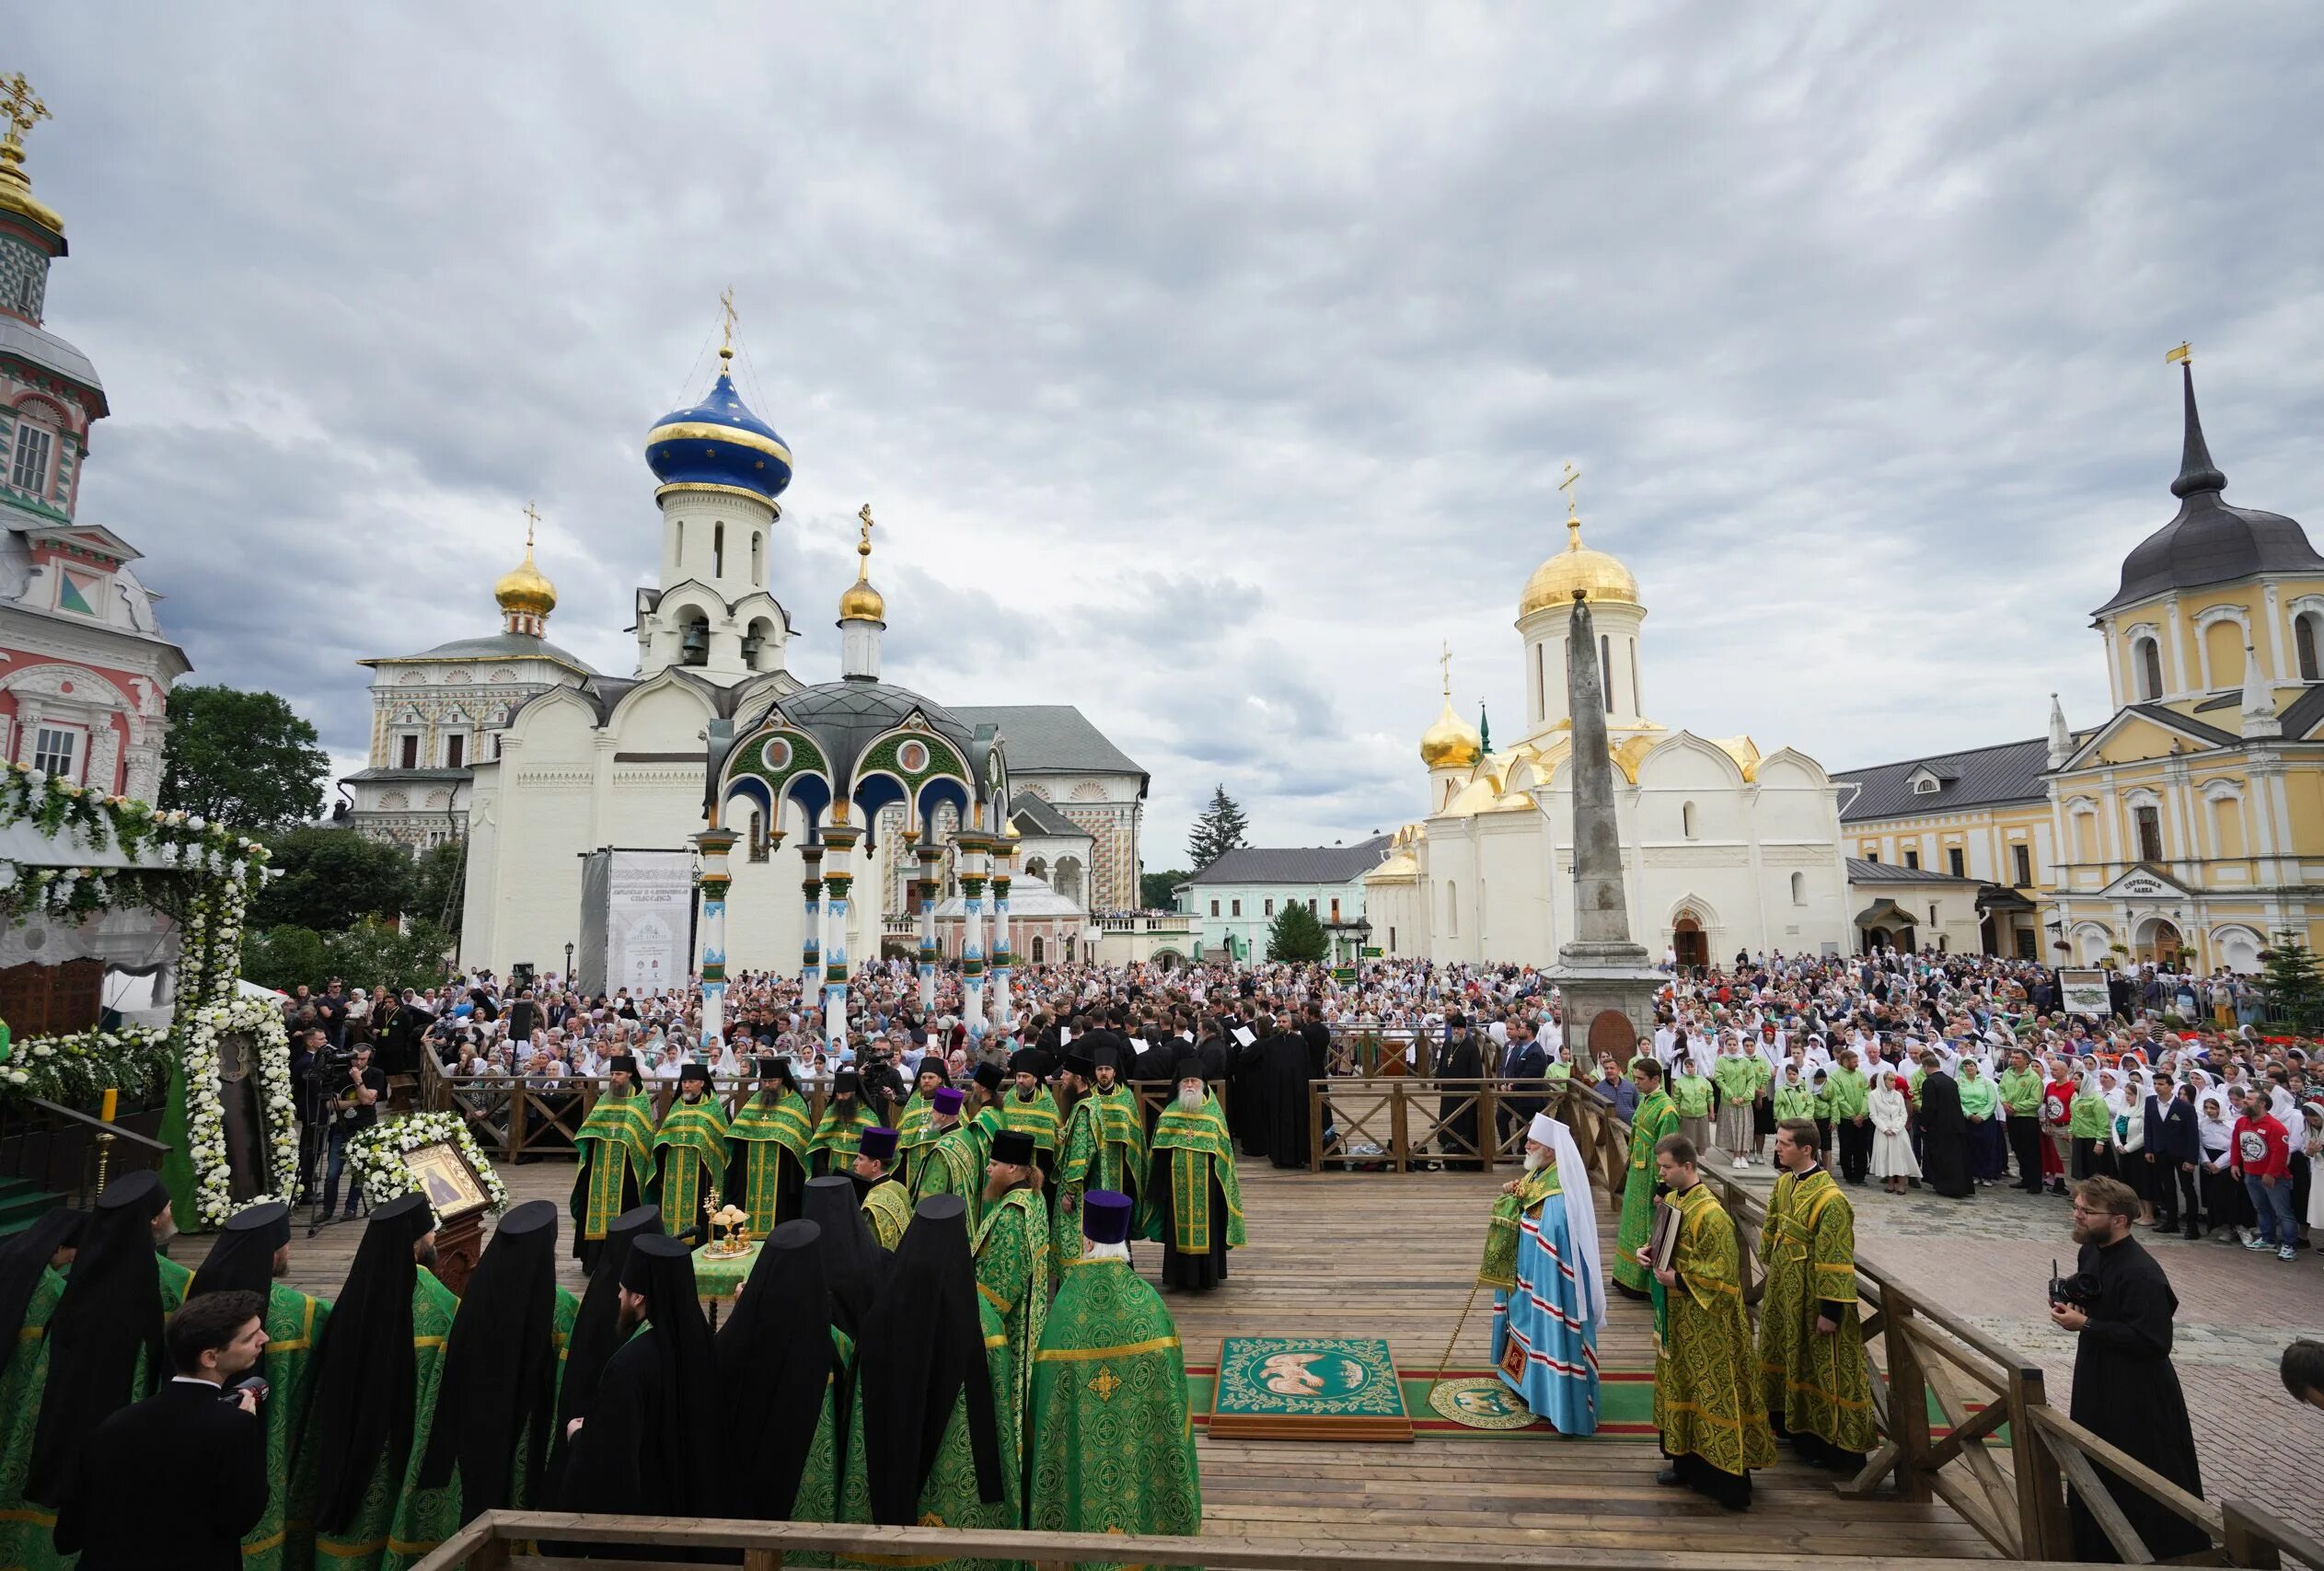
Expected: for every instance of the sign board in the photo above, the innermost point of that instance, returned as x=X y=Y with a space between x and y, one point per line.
x=637 y=910
x=1373 y=951
x=1343 y=973
x=2085 y=993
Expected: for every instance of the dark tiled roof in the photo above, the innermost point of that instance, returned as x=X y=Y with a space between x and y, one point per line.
x=1051 y=739
x=1296 y=864
x=1862 y=870
x=2175 y=721
x=1983 y=777
x=366 y=777
x=1045 y=819
x=2301 y=714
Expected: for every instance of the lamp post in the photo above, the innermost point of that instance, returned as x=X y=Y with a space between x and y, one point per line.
x=567 y=965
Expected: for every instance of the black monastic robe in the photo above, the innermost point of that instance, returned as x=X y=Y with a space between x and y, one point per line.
x=2126 y=1392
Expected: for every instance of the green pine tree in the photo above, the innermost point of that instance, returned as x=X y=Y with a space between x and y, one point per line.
x=1218 y=831
x=2294 y=986
x=1297 y=935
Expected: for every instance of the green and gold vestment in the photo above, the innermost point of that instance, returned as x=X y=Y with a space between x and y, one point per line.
x=617 y=1164
x=888 y=1208
x=949 y=1165
x=949 y=1498
x=1707 y=1394
x=832 y=1151
x=1816 y=1385
x=1013 y=1276
x=767 y=1135
x=689 y=1159
x=1200 y=1150
x=1654 y=1119
x=294 y=1321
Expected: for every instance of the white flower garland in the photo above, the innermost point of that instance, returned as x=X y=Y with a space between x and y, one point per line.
x=376 y=1157
x=198 y=1031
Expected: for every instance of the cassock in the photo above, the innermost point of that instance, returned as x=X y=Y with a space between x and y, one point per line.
x=596 y=1332
x=784 y=1377
x=1540 y=1260
x=1283 y=1091
x=1944 y=1137
x=690 y=1157
x=1707 y=1405
x=1462 y=1061
x=853 y=1263
x=1194 y=1204
x=615 y=1142
x=1816 y=1387
x=767 y=1157
x=29 y=1289
x=198 y=1466
x=2126 y=1392
x=242 y=1260
x=1109 y=1381
x=1653 y=1119
x=1247 y=1109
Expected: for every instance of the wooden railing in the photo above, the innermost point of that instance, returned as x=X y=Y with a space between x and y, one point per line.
x=1399 y=1122
x=2014 y=1495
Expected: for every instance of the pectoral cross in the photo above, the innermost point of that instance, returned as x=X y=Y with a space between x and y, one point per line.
x=1573 y=496
x=727 y=309
x=1445 y=661
x=532 y=522
x=23 y=109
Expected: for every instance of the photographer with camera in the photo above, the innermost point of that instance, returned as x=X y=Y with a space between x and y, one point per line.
x=194 y=1454
x=352 y=1089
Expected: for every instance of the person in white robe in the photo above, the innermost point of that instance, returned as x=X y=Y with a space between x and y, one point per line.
x=1549 y=1295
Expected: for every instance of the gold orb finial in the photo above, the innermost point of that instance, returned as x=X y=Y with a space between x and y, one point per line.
x=526 y=588
x=1451 y=741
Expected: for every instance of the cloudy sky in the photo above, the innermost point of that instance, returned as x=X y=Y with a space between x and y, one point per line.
x=1204 y=369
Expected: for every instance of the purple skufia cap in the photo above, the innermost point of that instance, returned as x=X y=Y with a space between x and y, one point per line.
x=1106 y=1217
x=878 y=1144
x=946 y=1102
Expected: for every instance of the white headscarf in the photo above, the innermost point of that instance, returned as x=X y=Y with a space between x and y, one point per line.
x=1581 y=1212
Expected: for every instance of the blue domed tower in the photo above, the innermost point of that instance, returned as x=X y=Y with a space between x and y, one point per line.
x=720 y=469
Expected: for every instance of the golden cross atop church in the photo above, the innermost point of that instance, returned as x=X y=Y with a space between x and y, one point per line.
x=2189 y=824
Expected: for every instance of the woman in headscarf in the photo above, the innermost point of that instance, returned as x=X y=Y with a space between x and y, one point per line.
x=2308 y=1156
x=1979 y=1104
x=2221 y=1190
x=2126 y=1118
x=1892 y=1158
x=2093 y=1124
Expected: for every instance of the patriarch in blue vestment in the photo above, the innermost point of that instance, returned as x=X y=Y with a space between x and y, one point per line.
x=1541 y=1259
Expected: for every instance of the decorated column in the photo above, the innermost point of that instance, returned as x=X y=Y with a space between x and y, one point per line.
x=1004 y=853
x=928 y=886
x=811 y=946
x=839 y=839
x=713 y=880
x=971 y=846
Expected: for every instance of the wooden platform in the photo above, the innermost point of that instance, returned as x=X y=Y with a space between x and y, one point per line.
x=1393 y=1257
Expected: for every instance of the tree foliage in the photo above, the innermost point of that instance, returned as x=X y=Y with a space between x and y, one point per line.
x=1297 y=935
x=440 y=885
x=1218 y=830
x=243 y=760
x=372 y=954
x=2292 y=983
x=329 y=879
x=1154 y=889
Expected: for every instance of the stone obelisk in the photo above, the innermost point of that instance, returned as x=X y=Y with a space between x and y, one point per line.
x=1605 y=979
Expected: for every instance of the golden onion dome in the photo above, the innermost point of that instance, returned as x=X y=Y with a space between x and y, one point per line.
x=1599 y=577
x=1451 y=743
x=526 y=588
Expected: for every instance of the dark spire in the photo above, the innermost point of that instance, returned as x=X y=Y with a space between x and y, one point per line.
x=2196 y=472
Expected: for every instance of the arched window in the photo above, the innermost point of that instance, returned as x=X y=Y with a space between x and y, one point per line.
x=1452 y=908
x=718 y=551
x=1686 y=819
x=1039 y=949
x=1799 y=889
x=2149 y=655
x=28 y=467
x=694 y=640
x=1037 y=868
x=758 y=564
x=2303 y=640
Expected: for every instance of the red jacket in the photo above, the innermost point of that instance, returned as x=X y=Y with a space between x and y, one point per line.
x=2265 y=1136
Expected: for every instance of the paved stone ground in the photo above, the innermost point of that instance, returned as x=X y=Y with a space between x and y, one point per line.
x=1987 y=1258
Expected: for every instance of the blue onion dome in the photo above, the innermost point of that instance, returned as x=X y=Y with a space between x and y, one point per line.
x=718 y=443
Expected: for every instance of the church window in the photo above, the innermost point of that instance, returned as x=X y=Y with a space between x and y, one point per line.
x=496 y=745
x=1911 y=859
x=1637 y=703
x=1541 y=684
x=29 y=471
x=2304 y=640
x=1270 y=908
x=2021 y=863
x=1605 y=669
x=1334 y=910
x=758 y=836
x=1234 y=907
x=408 y=758
x=1953 y=861
x=2149 y=655
x=1871 y=855
x=1039 y=949
x=718 y=551
x=758 y=566
x=1799 y=889
x=56 y=751
x=1214 y=907
x=2227 y=816
x=1452 y=908
x=1686 y=819
x=2150 y=833
x=455 y=750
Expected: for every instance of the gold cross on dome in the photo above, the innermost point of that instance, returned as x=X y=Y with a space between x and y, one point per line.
x=1573 y=496
x=863 y=541
x=727 y=309
x=22 y=107
x=1444 y=659
x=532 y=522
x=1105 y=1385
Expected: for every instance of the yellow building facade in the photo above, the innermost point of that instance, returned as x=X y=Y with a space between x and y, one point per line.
x=2188 y=826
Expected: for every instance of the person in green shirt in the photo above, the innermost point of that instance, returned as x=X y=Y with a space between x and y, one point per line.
x=2092 y=1125
x=1737 y=1077
x=1762 y=1099
x=1691 y=1094
x=1795 y=1098
x=1852 y=1116
x=1981 y=1106
x=1823 y=1089
x=2020 y=1089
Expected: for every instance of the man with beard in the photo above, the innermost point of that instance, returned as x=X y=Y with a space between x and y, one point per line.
x=845 y=1117
x=982 y=1114
x=1194 y=1205
x=645 y=1445
x=1012 y=1257
x=251 y=1254
x=1284 y=1074
x=615 y=1142
x=497 y=1407
x=1707 y=1405
x=1109 y=1382
x=596 y=1332
x=1944 y=1132
x=1029 y=1110
x=884 y=1202
x=783 y=1378
x=371 y=1391
x=1121 y=1132
x=690 y=1156
x=1080 y=1155
x=766 y=1160
x=947 y=1163
x=2120 y=1305
x=1458 y=1128
x=1540 y=1260
x=927 y=1443
x=915 y=1127
x=105 y=1345
x=1810 y=1341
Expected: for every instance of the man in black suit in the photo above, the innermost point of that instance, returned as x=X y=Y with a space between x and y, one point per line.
x=194 y=1457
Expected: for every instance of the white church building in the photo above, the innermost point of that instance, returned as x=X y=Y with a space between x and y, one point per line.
x=1725 y=848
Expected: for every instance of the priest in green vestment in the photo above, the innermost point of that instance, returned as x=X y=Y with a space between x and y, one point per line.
x=927 y=1443
x=1810 y=1340
x=32 y=1267
x=1029 y=1108
x=767 y=1159
x=982 y=1114
x=690 y=1157
x=250 y=1255
x=1013 y=1259
x=784 y=1375
x=1121 y=1129
x=1082 y=1157
x=1655 y=1118
x=1707 y=1402
x=486 y=1448
x=371 y=1396
x=1194 y=1205
x=615 y=1142
x=1111 y=1436
x=884 y=1201
x=845 y=1117
x=948 y=1165
x=913 y=1125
